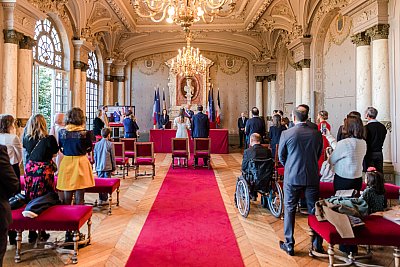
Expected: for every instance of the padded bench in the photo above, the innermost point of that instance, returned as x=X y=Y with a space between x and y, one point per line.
x=376 y=231
x=56 y=218
x=102 y=185
x=326 y=190
x=106 y=185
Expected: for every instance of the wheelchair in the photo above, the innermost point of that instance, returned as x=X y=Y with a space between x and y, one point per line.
x=262 y=179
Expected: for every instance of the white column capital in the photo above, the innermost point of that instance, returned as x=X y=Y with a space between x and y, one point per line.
x=8 y=14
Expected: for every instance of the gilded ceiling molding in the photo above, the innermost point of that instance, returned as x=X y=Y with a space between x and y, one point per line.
x=260 y=12
x=120 y=14
x=328 y=5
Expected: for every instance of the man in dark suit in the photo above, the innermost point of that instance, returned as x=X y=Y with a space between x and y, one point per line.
x=9 y=184
x=305 y=108
x=255 y=125
x=299 y=150
x=375 y=133
x=200 y=127
x=241 y=125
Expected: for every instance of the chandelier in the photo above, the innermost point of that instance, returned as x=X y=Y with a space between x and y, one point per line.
x=183 y=12
x=189 y=61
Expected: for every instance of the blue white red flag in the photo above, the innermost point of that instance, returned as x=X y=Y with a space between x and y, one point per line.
x=155 y=117
x=211 y=108
x=218 y=111
x=158 y=109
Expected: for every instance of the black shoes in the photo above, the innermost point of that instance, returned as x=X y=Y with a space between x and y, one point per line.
x=282 y=245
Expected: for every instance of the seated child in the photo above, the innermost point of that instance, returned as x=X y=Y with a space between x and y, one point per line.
x=374 y=194
x=104 y=158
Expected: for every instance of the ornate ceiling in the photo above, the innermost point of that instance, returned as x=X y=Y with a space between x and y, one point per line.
x=255 y=29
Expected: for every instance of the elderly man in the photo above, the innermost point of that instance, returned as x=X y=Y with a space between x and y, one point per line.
x=299 y=150
x=255 y=151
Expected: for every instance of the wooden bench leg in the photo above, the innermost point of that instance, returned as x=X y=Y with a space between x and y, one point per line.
x=89 y=224
x=75 y=254
x=109 y=203
x=136 y=171
x=154 y=171
x=117 y=196
x=331 y=255
x=396 y=255
x=17 y=257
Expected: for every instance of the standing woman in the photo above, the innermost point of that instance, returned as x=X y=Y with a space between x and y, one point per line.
x=164 y=119
x=130 y=127
x=40 y=168
x=9 y=139
x=182 y=124
x=275 y=132
x=323 y=124
x=75 y=172
x=98 y=123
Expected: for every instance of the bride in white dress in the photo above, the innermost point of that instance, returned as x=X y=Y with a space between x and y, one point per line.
x=182 y=124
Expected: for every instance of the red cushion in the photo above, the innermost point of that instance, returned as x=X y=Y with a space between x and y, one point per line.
x=56 y=218
x=104 y=185
x=180 y=153
x=392 y=191
x=376 y=231
x=121 y=161
x=144 y=161
x=130 y=154
x=326 y=189
x=202 y=154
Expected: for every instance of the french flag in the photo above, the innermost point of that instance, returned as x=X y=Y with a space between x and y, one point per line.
x=155 y=115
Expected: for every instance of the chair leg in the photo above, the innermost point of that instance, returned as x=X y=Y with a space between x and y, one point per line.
x=136 y=171
x=173 y=162
x=17 y=257
x=109 y=203
x=396 y=255
x=117 y=196
x=127 y=169
x=331 y=255
x=76 y=240
x=154 y=171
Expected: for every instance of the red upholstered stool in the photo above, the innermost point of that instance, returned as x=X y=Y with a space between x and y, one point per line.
x=180 y=150
x=106 y=185
x=144 y=156
x=376 y=231
x=56 y=218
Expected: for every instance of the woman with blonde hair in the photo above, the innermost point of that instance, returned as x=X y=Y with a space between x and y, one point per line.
x=75 y=172
x=40 y=168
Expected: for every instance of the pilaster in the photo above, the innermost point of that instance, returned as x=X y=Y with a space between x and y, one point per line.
x=259 y=93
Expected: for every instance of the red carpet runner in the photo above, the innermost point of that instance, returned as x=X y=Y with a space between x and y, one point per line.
x=188 y=225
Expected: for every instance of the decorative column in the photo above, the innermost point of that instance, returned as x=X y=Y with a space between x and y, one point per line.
x=10 y=64
x=24 y=83
x=82 y=102
x=76 y=88
x=268 y=108
x=274 y=93
x=305 y=82
x=259 y=93
x=119 y=77
x=299 y=82
x=108 y=83
x=363 y=71
x=380 y=82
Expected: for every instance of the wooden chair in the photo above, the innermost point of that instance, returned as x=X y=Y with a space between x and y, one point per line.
x=129 y=148
x=120 y=158
x=202 y=148
x=180 y=150
x=144 y=156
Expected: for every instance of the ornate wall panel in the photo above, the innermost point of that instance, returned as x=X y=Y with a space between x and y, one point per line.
x=229 y=73
x=339 y=81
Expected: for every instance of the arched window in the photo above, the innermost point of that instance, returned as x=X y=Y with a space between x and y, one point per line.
x=50 y=83
x=92 y=89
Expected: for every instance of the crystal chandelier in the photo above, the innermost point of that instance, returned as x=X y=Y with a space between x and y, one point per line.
x=183 y=12
x=189 y=61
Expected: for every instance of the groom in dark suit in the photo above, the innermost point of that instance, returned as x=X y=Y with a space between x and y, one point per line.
x=299 y=150
x=200 y=127
x=241 y=125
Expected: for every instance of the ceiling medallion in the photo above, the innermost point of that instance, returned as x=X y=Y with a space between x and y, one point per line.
x=183 y=12
x=189 y=61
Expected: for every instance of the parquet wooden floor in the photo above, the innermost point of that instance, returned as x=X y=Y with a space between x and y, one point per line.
x=114 y=236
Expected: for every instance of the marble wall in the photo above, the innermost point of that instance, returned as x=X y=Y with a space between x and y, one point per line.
x=233 y=83
x=339 y=81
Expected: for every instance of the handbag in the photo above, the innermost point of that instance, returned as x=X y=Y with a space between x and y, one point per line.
x=17 y=201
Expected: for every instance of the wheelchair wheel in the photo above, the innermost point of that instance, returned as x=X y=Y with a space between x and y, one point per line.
x=275 y=199
x=242 y=197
